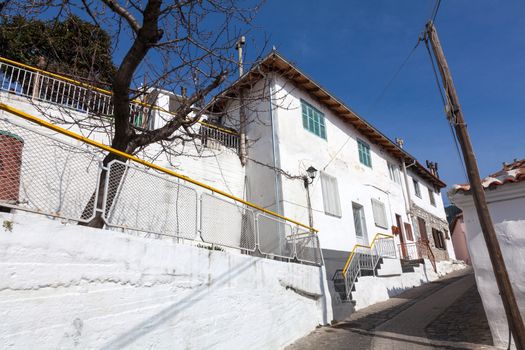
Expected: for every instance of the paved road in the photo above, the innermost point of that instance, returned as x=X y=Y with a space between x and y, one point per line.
x=444 y=314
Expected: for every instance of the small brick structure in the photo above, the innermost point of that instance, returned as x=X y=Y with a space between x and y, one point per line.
x=11 y=146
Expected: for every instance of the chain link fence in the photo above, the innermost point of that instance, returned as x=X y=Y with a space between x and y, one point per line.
x=140 y=199
x=42 y=174
x=45 y=173
x=227 y=223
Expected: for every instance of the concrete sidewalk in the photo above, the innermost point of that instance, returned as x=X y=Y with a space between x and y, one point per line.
x=398 y=323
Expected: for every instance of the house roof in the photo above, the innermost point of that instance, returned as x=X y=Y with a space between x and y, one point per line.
x=513 y=172
x=275 y=62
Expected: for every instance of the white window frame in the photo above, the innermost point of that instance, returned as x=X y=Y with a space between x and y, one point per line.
x=417 y=188
x=379 y=211
x=393 y=172
x=431 y=197
x=331 y=200
x=359 y=221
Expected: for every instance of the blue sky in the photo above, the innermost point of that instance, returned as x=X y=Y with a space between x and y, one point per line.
x=353 y=48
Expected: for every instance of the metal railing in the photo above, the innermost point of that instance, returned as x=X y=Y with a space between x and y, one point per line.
x=47 y=173
x=408 y=251
x=212 y=137
x=367 y=258
x=34 y=83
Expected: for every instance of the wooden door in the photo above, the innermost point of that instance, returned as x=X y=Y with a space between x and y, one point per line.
x=403 y=245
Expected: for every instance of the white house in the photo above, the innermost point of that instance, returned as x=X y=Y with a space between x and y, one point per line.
x=505 y=195
x=366 y=184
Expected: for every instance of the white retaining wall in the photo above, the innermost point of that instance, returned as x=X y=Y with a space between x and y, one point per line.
x=370 y=290
x=506 y=205
x=63 y=285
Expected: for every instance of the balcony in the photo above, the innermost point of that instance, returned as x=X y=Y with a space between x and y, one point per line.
x=39 y=85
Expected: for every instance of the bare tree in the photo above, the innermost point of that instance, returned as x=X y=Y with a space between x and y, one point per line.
x=166 y=44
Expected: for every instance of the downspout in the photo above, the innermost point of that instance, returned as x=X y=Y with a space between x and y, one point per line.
x=408 y=201
x=275 y=152
x=243 y=152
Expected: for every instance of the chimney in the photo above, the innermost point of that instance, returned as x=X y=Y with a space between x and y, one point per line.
x=433 y=168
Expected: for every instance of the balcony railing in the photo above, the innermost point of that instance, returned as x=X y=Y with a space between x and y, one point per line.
x=34 y=83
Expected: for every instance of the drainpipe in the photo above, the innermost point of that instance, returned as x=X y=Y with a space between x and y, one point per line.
x=242 y=113
x=275 y=151
x=408 y=201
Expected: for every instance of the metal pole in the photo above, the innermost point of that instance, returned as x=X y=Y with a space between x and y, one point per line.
x=455 y=116
x=243 y=152
x=308 y=201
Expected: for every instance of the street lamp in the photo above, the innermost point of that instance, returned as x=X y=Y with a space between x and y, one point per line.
x=308 y=180
x=312 y=173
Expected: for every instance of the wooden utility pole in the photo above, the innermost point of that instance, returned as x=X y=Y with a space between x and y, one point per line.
x=455 y=116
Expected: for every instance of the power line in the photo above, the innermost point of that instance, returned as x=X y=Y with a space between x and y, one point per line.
x=380 y=96
x=394 y=76
x=435 y=11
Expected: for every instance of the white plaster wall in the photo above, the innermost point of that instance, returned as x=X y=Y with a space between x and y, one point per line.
x=506 y=205
x=218 y=168
x=300 y=149
x=370 y=290
x=390 y=267
x=65 y=286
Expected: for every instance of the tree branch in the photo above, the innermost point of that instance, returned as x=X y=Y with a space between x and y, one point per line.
x=124 y=13
x=165 y=132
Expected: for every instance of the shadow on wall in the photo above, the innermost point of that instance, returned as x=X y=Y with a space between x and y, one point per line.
x=395 y=291
x=149 y=325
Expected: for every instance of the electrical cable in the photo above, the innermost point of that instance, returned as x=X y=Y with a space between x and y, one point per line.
x=394 y=76
x=435 y=11
x=378 y=99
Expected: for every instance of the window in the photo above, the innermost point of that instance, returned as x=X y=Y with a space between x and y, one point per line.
x=408 y=231
x=439 y=240
x=393 y=171
x=313 y=120
x=379 y=213
x=431 y=196
x=417 y=190
x=359 y=220
x=332 y=205
x=364 y=153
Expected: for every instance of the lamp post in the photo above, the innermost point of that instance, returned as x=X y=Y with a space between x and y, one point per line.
x=308 y=180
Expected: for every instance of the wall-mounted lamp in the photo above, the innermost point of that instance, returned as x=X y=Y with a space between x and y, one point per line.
x=312 y=173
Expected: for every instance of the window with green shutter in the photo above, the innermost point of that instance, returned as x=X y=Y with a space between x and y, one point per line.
x=364 y=153
x=313 y=120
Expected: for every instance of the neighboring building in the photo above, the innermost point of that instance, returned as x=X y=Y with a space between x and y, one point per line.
x=505 y=195
x=458 y=233
x=459 y=239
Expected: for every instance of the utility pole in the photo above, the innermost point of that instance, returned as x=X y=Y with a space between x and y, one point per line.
x=455 y=116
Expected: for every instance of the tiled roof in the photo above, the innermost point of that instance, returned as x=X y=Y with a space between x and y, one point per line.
x=274 y=61
x=514 y=172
